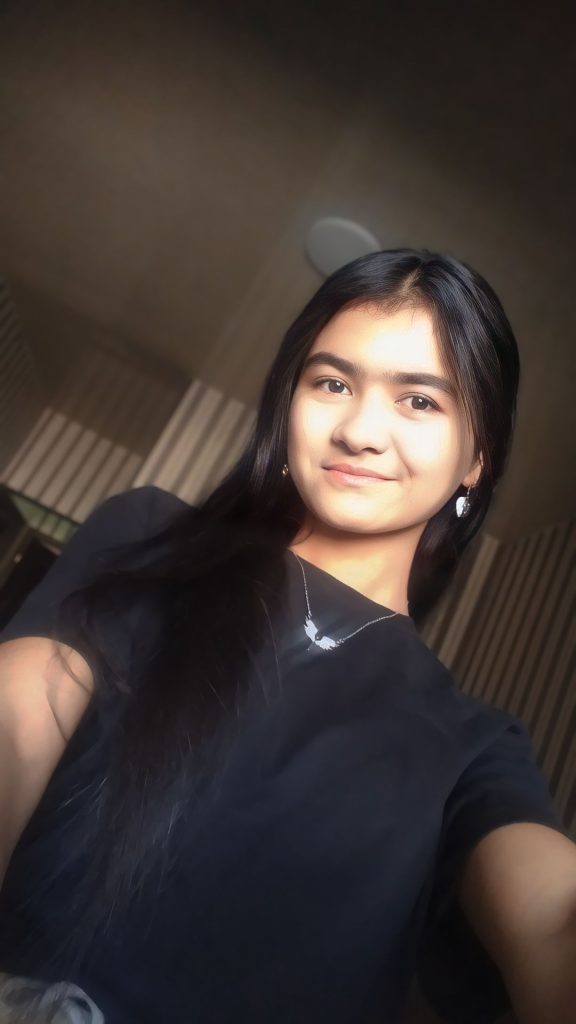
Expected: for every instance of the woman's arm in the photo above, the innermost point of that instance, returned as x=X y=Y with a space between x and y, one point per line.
x=518 y=891
x=40 y=707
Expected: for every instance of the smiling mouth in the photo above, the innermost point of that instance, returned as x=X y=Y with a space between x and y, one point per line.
x=355 y=479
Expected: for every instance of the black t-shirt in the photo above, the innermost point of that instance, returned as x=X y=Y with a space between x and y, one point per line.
x=318 y=877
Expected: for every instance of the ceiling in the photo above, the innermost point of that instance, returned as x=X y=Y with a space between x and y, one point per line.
x=163 y=161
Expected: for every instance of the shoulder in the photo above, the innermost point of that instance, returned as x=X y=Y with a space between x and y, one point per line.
x=117 y=524
x=471 y=726
x=431 y=678
x=157 y=501
x=123 y=519
x=141 y=506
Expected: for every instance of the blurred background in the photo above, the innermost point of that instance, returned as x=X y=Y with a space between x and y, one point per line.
x=162 y=166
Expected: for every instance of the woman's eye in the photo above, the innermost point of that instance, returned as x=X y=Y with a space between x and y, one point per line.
x=423 y=404
x=330 y=380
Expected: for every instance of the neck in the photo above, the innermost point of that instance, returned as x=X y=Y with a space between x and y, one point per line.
x=376 y=565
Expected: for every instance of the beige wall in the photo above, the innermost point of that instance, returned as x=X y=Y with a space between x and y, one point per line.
x=161 y=166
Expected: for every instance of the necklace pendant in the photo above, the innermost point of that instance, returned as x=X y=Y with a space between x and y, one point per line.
x=325 y=642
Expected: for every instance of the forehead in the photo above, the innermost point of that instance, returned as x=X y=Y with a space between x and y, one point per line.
x=403 y=340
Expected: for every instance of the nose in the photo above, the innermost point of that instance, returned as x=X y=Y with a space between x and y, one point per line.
x=366 y=424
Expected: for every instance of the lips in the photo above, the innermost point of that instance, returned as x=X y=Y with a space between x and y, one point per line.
x=344 y=467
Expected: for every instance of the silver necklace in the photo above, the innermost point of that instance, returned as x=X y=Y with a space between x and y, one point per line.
x=326 y=643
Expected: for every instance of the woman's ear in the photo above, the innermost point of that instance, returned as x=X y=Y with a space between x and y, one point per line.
x=472 y=478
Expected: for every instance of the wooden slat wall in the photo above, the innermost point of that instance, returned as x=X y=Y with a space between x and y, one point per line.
x=21 y=396
x=508 y=633
x=202 y=441
x=91 y=440
x=142 y=432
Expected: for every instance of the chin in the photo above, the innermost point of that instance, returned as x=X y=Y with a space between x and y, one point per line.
x=352 y=521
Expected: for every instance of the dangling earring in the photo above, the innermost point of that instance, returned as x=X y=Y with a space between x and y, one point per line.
x=463 y=505
x=285 y=469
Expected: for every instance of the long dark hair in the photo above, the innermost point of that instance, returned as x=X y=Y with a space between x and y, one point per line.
x=222 y=563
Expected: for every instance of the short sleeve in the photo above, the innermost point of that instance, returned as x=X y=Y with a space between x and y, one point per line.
x=501 y=786
x=120 y=519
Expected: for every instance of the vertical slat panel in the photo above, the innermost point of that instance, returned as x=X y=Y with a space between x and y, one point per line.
x=200 y=444
x=518 y=688
x=518 y=651
x=492 y=612
x=21 y=395
x=465 y=608
x=92 y=441
x=522 y=613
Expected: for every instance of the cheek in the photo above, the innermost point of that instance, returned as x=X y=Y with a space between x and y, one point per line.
x=307 y=425
x=433 y=448
x=297 y=441
x=294 y=422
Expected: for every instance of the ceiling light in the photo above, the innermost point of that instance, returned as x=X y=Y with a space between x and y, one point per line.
x=332 y=242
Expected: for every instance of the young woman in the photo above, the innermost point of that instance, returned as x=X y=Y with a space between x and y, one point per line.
x=243 y=789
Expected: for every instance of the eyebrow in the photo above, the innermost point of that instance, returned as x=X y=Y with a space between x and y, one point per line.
x=396 y=377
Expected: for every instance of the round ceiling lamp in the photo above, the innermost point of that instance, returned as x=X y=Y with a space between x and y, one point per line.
x=332 y=242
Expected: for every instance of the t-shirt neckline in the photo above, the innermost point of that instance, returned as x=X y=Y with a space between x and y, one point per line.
x=344 y=590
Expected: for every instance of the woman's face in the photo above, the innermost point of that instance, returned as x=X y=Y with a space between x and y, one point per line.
x=396 y=414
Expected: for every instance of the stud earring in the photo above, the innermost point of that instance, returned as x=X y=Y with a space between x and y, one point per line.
x=463 y=505
x=285 y=469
